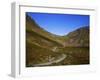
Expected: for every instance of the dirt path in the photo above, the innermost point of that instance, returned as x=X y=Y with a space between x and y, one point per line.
x=61 y=58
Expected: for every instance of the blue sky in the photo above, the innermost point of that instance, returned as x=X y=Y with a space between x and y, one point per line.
x=59 y=24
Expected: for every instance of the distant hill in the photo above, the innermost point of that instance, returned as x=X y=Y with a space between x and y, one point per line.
x=79 y=37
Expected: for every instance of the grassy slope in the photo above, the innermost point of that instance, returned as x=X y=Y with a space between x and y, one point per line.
x=76 y=55
x=79 y=37
x=36 y=54
x=38 y=46
x=32 y=26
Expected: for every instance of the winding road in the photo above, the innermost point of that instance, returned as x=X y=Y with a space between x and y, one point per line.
x=61 y=58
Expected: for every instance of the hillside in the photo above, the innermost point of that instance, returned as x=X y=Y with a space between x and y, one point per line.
x=77 y=38
x=43 y=46
x=33 y=27
x=39 y=44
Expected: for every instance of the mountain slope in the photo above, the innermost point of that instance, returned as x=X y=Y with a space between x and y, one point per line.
x=77 y=38
x=39 y=44
x=33 y=27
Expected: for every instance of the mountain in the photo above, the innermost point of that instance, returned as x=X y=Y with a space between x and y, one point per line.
x=34 y=31
x=39 y=43
x=42 y=45
x=77 y=38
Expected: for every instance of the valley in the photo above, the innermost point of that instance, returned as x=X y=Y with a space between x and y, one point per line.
x=46 y=49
